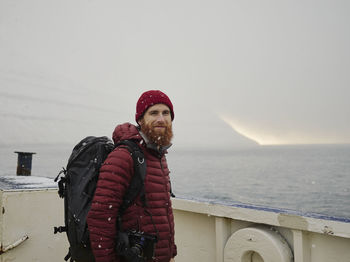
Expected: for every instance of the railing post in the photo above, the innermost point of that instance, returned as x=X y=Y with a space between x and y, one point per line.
x=223 y=232
x=24 y=163
x=301 y=246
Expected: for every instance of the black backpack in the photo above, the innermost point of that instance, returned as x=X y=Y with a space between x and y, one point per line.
x=77 y=187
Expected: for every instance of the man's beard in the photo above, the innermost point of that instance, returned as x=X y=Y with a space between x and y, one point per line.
x=160 y=138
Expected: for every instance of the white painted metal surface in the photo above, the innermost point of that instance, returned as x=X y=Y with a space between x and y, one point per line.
x=204 y=232
x=268 y=245
x=28 y=215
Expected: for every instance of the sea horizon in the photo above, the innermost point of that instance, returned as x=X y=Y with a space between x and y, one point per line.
x=305 y=178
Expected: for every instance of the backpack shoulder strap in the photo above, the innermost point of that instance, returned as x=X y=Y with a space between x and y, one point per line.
x=137 y=181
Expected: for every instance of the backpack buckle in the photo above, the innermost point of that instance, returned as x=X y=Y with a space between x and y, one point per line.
x=59 y=229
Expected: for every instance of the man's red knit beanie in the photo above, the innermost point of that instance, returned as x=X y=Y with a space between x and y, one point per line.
x=150 y=98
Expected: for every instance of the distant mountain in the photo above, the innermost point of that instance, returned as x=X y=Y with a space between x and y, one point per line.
x=39 y=111
x=211 y=133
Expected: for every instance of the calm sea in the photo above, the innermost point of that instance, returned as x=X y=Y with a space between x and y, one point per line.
x=307 y=179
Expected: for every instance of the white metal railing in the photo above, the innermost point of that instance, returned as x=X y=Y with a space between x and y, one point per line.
x=205 y=232
x=241 y=233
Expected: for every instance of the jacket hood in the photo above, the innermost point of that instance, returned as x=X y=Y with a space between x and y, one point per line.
x=126 y=131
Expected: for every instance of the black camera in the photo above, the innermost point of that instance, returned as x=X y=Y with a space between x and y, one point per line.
x=135 y=246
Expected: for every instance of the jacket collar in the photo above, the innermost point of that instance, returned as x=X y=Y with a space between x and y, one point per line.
x=161 y=150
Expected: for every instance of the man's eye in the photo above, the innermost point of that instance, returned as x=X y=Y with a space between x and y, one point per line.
x=166 y=113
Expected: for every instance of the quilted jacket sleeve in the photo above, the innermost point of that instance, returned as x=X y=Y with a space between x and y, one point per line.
x=114 y=179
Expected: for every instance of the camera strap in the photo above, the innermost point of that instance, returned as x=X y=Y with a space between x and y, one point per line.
x=154 y=225
x=136 y=186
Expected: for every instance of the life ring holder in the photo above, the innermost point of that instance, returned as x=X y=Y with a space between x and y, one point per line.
x=269 y=244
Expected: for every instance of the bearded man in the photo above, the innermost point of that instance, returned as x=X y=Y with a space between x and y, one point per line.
x=154 y=115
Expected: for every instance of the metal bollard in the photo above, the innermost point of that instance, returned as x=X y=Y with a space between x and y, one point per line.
x=24 y=163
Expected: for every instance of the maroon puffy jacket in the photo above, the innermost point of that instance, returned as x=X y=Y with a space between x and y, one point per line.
x=114 y=179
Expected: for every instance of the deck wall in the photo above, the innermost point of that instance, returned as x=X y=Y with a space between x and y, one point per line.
x=203 y=231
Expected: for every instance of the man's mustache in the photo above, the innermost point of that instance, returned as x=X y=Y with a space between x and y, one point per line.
x=159 y=125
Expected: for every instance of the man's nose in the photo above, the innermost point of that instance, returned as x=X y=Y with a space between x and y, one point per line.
x=160 y=118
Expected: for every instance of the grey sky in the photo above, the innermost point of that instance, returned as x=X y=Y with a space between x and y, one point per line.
x=275 y=71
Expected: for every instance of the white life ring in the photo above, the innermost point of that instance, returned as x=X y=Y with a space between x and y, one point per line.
x=267 y=243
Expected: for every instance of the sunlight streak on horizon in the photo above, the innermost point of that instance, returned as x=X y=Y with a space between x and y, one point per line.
x=261 y=139
x=274 y=136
